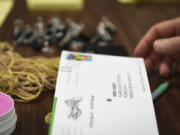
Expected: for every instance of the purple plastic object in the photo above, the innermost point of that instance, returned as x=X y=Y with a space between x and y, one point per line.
x=6 y=104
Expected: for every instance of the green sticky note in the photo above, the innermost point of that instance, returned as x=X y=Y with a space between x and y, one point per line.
x=5 y=8
x=55 y=4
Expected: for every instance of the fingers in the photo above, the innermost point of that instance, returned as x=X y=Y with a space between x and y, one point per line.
x=165 y=67
x=144 y=48
x=160 y=41
x=177 y=26
x=168 y=28
x=167 y=46
x=152 y=60
x=162 y=30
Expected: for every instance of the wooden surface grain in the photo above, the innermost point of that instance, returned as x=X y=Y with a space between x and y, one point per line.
x=132 y=22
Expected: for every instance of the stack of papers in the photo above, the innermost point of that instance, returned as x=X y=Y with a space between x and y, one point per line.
x=102 y=95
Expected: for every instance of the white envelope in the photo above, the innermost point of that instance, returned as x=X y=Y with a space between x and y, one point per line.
x=102 y=95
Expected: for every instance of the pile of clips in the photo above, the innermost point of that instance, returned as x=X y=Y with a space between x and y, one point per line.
x=67 y=35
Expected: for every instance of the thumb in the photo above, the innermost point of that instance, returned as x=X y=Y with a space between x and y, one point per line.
x=167 y=46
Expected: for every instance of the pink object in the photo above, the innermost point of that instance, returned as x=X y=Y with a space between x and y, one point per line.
x=6 y=104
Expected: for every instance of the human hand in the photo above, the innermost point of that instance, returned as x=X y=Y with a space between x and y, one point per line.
x=161 y=45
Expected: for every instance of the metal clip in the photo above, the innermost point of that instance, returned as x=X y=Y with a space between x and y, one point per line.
x=104 y=31
x=25 y=35
x=73 y=33
x=17 y=28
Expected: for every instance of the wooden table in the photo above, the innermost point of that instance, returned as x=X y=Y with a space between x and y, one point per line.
x=132 y=22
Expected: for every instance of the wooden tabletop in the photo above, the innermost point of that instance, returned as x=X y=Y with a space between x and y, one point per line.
x=132 y=21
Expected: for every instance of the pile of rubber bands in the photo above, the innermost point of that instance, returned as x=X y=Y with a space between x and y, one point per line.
x=25 y=79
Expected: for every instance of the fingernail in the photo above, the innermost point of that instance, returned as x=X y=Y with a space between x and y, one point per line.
x=164 y=72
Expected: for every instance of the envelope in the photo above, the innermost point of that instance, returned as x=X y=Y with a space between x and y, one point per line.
x=102 y=95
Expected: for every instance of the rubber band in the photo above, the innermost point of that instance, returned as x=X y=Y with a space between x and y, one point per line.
x=25 y=79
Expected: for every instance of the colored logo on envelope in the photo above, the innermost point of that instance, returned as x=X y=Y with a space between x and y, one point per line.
x=79 y=57
x=73 y=104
